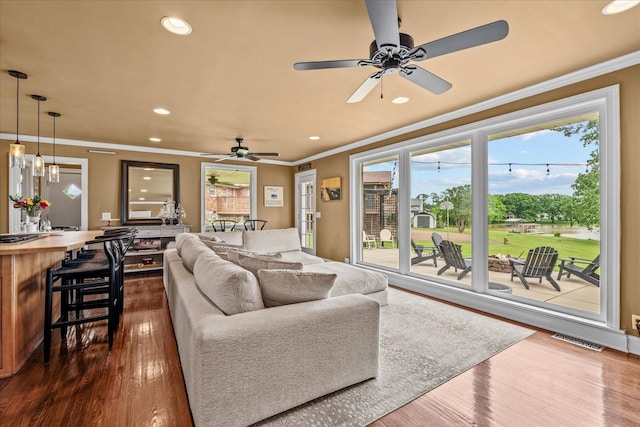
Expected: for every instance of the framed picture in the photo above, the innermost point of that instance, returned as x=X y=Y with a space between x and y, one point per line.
x=273 y=196
x=331 y=189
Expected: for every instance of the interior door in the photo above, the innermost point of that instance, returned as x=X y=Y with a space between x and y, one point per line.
x=305 y=210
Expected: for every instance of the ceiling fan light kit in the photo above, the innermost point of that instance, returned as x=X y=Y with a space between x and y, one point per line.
x=391 y=51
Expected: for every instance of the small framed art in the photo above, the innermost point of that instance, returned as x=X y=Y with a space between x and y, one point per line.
x=273 y=196
x=331 y=189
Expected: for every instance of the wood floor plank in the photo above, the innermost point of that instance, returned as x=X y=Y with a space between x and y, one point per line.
x=539 y=381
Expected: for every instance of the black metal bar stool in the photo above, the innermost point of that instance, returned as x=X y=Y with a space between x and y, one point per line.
x=253 y=224
x=102 y=278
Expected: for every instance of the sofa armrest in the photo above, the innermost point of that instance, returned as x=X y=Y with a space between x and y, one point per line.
x=253 y=365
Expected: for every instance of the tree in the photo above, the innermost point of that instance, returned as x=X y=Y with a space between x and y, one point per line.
x=460 y=198
x=521 y=205
x=497 y=212
x=586 y=188
x=551 y=204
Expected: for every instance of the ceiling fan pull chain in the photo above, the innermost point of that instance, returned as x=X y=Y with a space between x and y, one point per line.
x=381 y=83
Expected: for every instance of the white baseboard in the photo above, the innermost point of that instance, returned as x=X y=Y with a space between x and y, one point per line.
x=634 y=344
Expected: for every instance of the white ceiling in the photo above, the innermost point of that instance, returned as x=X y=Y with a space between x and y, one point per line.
x=104 y=65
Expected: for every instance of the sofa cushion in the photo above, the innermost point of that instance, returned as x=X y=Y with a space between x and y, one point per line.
x=281 y=287
x=181 y=238
x=191 y=250
x=232 y=255
x=206 y=237
x=229 y=287
x=254 y=263
x=351 y=279
x=270 y=241
x=303 y=257
x=233 y=237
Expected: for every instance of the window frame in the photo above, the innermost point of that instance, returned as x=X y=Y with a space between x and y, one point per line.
x=253 y=188
x=606 y=102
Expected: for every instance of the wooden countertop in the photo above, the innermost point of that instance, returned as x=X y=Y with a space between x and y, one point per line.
x=55 y=242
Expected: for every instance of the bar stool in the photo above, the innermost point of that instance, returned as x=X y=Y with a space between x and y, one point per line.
x=223 y=224
x=253 y=224
x=77 y=279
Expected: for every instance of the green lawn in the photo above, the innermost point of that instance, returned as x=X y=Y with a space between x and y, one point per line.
x=520 y=243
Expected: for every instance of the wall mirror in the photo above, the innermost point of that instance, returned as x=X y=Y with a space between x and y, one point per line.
x=145 y=187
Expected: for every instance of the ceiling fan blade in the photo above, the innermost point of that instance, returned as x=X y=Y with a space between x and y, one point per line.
x=212 y=154
x=474 y=37
x=366 y=87
x=222 y=159
x=423 y=78
x=263 y=154
x=384 y=20
x=323 y=65
x=251 y=157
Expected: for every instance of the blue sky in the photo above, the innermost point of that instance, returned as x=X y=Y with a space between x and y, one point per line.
x=536 y=147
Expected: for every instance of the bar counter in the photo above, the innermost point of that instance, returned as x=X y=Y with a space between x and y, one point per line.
x=23 y=269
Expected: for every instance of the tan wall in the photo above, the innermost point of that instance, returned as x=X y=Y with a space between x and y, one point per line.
x=104 y=184
x=333 y=228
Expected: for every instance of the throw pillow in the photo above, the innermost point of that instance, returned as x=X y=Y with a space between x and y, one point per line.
x=229 y=287
x=206 y=238
x=280 y=287
x=254 y=263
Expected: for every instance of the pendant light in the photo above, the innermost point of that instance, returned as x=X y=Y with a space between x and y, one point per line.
x=54 y=169
x=38 y=162
x=16 y=150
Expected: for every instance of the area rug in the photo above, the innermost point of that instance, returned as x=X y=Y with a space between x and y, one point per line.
x=423 y=343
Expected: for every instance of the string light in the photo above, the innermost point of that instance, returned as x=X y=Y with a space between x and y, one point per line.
x=509 y=164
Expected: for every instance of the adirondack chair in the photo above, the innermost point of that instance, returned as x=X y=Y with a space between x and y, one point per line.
x=386 y=236
x=421 y=256
x=538 y=264
x=588 y=273
x=436 y=239
x=452 y=254
x=369 y=240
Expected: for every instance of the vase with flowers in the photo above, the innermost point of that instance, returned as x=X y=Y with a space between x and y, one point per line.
x=32 y=207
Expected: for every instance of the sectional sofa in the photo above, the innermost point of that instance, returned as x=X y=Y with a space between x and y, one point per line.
x=269 y=327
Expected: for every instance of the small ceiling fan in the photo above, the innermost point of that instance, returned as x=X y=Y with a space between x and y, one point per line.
x=241 y=152
x=391 y=51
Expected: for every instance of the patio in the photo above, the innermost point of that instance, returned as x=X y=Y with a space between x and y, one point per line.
x=575 y=293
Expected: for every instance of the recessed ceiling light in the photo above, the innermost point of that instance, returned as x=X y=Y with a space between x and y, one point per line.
x=314 y=137
x=143 y=190
x=154 y=139
x=400 y=100
x=146 y=178
x=619 y=6
x=161 y=111
x=176 y=25
x=140 y=198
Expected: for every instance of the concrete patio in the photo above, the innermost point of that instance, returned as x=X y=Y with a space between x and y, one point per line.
x=575 y=293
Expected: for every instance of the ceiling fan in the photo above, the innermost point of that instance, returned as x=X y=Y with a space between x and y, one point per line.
x=391 y=51
x=241 y=152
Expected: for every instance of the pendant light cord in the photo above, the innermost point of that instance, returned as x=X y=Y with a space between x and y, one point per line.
x=38 y=127
x=54 y=140
x=17 y=107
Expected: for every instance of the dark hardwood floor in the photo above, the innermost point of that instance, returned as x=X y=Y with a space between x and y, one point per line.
x=539 y=381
